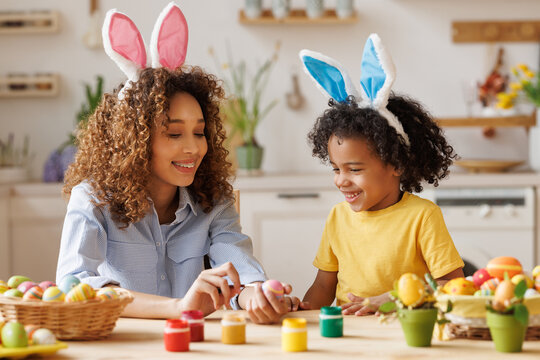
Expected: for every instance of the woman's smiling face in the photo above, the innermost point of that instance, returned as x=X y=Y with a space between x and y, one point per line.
x=177 y=151
x=367 y=182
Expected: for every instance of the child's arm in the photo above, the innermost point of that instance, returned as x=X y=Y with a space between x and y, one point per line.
x=451 y=275
x=323 y=290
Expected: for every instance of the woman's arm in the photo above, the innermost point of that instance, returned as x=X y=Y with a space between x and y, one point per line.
x=323 y=290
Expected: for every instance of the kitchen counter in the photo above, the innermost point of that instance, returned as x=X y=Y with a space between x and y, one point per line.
x=364 y=338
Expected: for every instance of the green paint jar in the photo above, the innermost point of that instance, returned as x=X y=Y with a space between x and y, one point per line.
x=331 y=321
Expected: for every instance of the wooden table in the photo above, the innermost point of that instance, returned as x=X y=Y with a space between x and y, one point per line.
x=364 y=338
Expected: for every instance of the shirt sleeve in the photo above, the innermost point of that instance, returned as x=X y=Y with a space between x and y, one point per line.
x=437 y=247
x=229 y=244
x=83 y=245
x=325 y=259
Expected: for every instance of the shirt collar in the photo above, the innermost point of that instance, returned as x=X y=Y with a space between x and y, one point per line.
x=185 y=199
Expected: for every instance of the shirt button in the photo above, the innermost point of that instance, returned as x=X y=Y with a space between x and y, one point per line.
x=158 y=243
x=162 y=277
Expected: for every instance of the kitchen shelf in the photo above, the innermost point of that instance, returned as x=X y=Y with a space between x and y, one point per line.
x=497 y=121
x=297 y=17
x=496 y=31
x=29 y=22
x=46 y=85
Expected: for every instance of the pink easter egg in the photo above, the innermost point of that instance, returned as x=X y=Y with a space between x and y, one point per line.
x=46 y=284
x=274 y=287
x=25 y=286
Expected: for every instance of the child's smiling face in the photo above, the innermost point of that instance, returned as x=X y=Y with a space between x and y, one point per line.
x=367 y=183
x=178 y=151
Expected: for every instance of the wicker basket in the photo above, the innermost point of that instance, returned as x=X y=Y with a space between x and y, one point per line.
x=86 y=320
x=468 y=317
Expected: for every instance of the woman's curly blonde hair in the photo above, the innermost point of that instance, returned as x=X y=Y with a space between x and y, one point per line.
x=114 y=146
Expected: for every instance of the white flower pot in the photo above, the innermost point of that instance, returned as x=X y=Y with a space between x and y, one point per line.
x=253 y=8
x=344 y=8
x=13 y=174
x=281 y=8
x=314 y=8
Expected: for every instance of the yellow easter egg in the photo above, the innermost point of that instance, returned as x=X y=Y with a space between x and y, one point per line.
x=106 y=293
x=53 y=294
x=80 y=292
x=503 y=294
x=517 y=278
x=536 y=271
x=459 y=286
x=411 y=290
x=3 y=286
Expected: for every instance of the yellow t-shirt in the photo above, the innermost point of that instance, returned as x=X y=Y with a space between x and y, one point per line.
x=372 y=249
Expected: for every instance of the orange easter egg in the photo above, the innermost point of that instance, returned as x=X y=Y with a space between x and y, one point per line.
x=490 y=284
x=503 y=294
x=504 y=264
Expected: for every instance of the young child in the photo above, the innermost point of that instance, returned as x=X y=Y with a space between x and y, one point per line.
x=381 y=147
x=148 y=192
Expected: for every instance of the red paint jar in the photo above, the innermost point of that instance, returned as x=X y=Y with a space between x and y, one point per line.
x=176 y=335
x=195 y=319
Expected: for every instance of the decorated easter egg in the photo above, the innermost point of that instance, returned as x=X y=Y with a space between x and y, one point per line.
x=459 y=286
x=519 y=277
x=80 y=292
x=43 y=337
x=530 y=293
x=24 y=286
x=13 y=335
x=480 y=276
x=411 y=290
x=34 y=293
x=536 y=272
x=3 y=287
x=68 y=283
x=16 y=280
x=504 y=264
x=106 y=293
x=491 y=284
x=53 y=294
x=503 y=294
x=46 y=284
x=273 y=286
x=536 y=283
x=13 y=293
x=30 y=330
x=483 y=292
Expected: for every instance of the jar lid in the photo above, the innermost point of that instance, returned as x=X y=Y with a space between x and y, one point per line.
x=192 y=315
x=331 y=310
x=176 y=323
x=236 y=318
x=295 y=323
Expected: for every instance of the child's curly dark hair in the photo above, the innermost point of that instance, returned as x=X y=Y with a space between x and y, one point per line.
x=114 y=146
x=426 y=159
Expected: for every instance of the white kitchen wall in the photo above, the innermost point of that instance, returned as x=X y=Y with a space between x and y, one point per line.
x=417 y=32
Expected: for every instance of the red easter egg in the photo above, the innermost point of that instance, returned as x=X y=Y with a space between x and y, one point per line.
x=480 y=276
x=504 y=264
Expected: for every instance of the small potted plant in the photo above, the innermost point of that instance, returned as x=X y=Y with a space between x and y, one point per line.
x=414 y=304
x=244 y=107
x=507 y=317
x=63 y=156
x=14 y=160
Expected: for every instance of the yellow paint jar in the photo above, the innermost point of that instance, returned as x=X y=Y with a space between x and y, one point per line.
x=233 y=329
x=294 y=334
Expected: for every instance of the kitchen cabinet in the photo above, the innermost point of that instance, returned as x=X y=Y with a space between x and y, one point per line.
x=297 y=17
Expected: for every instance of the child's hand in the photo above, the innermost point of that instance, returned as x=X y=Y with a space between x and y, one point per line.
x=294 y=304
x=264 y=307
x=211 y=290
x=360 y=306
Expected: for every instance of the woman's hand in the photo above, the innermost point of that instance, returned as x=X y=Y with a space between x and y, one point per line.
x=211 y=290
x=360 y=306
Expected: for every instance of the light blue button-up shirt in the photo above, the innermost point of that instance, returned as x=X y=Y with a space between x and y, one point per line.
x=149 y=257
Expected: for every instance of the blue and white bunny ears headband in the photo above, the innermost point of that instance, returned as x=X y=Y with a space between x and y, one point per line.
x=125 y=46
x=377 y=76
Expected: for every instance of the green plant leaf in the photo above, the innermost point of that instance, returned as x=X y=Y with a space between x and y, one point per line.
x=520 y=289
x=506 y=277
x=521 y=314
x=388 y=307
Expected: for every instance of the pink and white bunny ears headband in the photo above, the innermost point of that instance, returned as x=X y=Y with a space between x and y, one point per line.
x=125 y=46
x=377 y=76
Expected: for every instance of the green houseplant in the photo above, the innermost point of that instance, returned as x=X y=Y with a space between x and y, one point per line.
x=507 y=317
x=244 y=108
x=63 y=156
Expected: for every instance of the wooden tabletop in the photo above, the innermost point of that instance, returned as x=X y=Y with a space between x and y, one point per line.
x=364 y=337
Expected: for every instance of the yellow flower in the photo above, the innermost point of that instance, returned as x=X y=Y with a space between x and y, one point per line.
x=525 y=82
x=515 y=72
x=529 y=74
x=516 y=86
x=225 y=66
x=523 y=67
